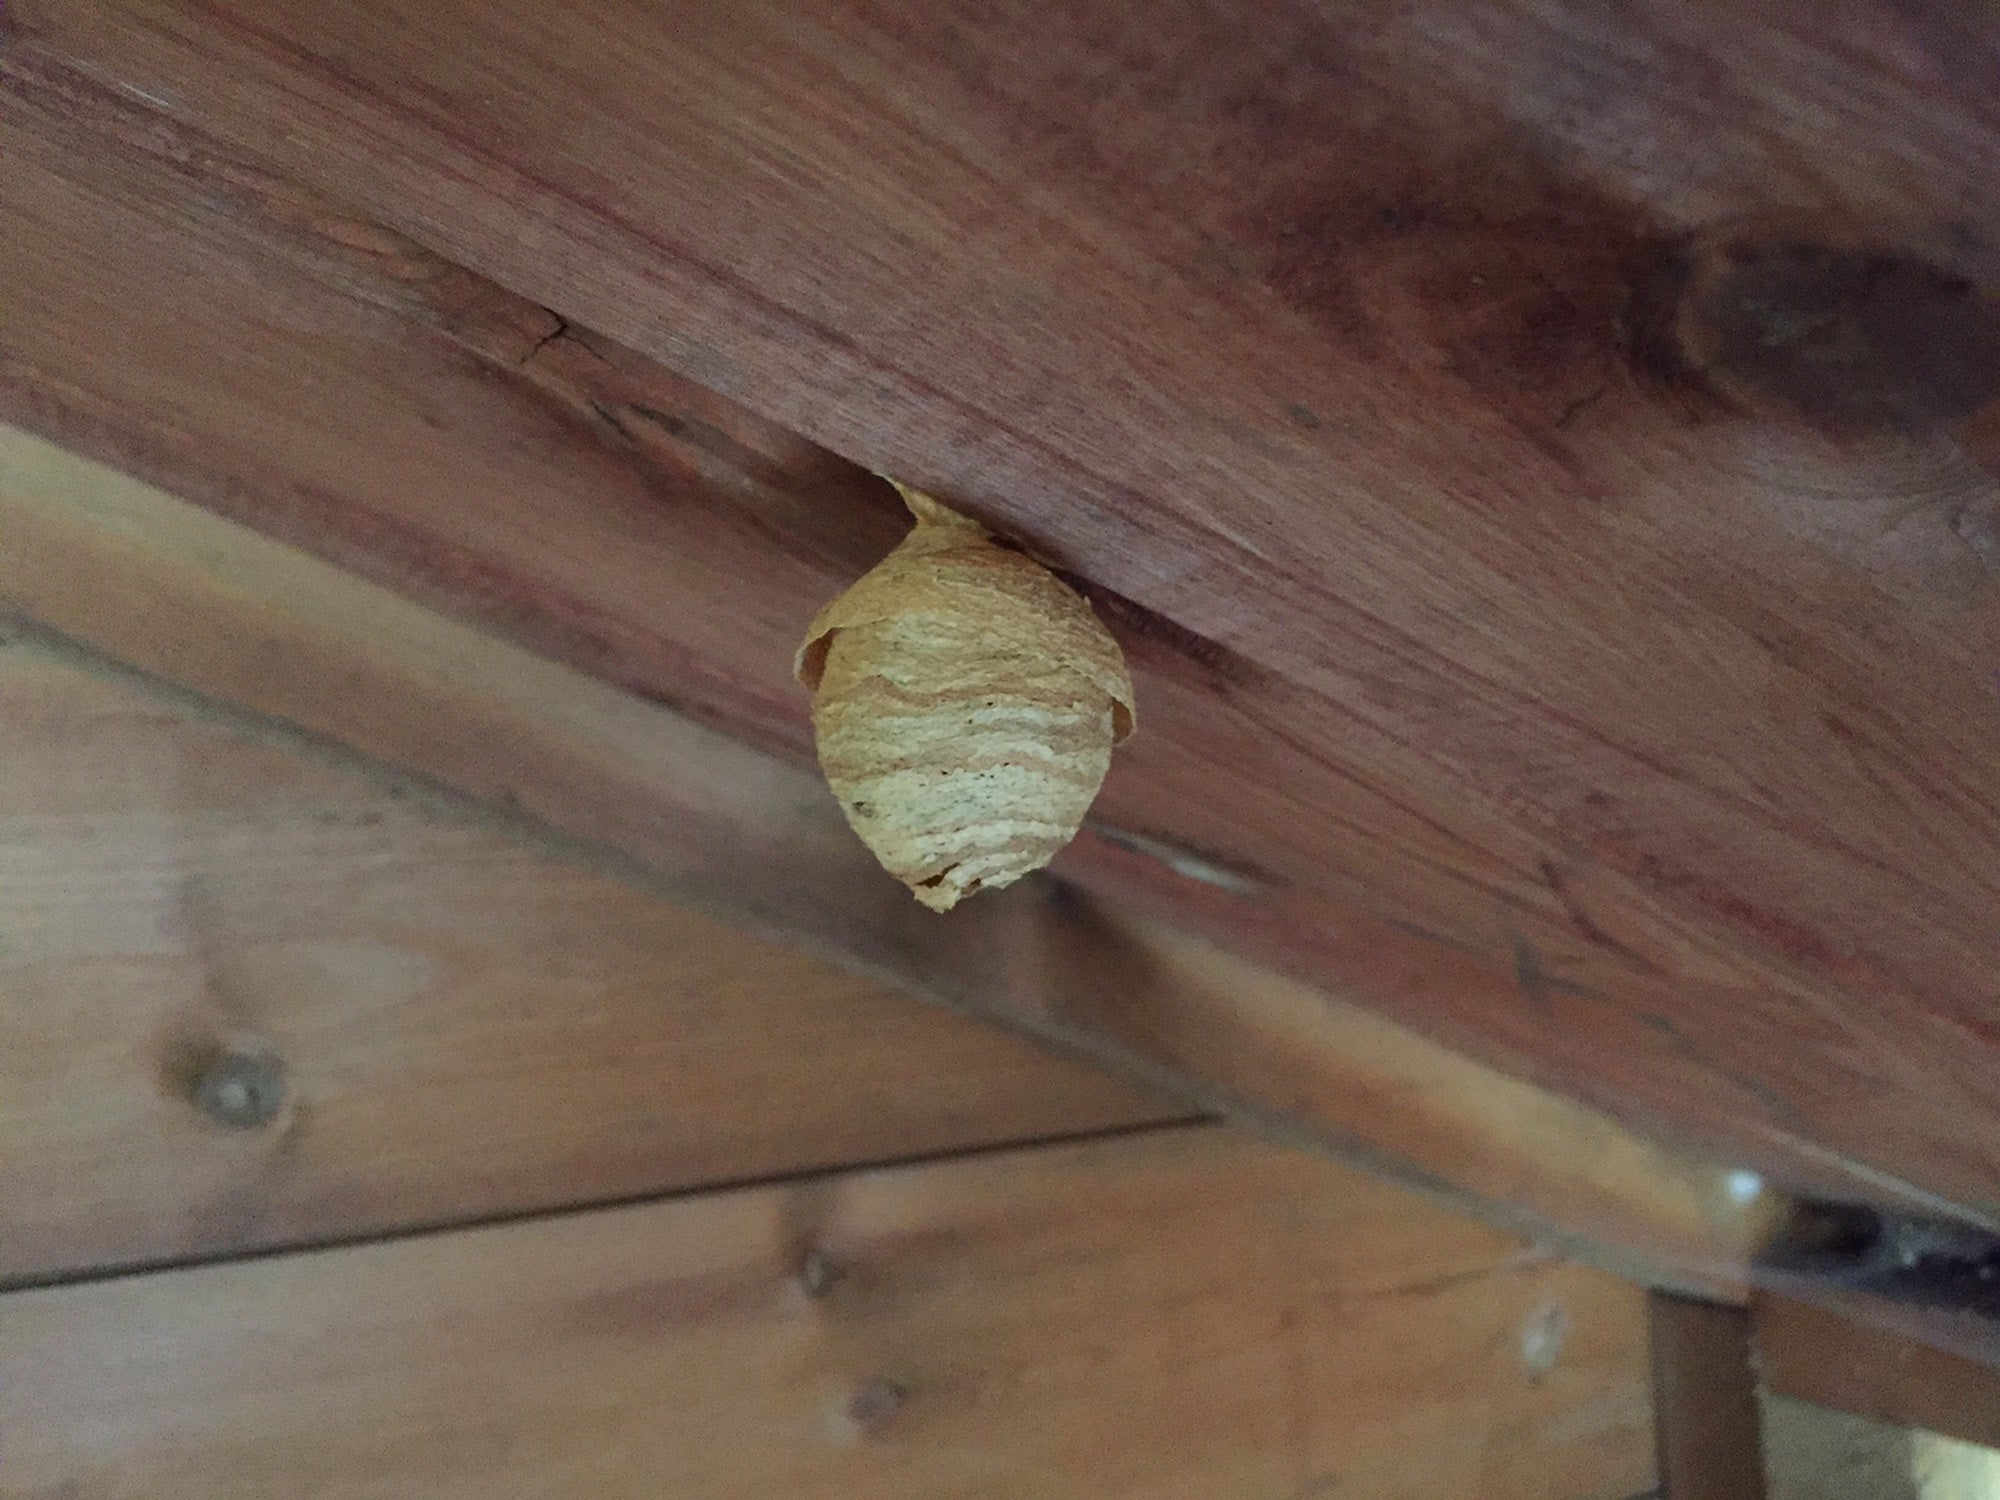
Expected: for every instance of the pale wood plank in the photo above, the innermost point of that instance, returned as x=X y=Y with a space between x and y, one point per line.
x=467 y=1027
x=247 y=621
x=1188 y=1314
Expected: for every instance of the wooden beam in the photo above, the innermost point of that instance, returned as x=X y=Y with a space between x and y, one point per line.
x=1817 y=1355
x=1595 y=726
x=1183 y=1313
x=249 y=1001
x=288 y=649
x=1705 y=1401
x=1326 y=377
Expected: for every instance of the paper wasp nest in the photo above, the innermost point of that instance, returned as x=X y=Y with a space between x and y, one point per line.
x=965 y=705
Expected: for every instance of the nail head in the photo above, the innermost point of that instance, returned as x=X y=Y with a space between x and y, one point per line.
x=241 y=1090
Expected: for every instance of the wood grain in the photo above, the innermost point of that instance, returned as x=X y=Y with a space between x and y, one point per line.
x=1554 y=704
x=572 y=765
x=1187 y=1314
x=466 y=1027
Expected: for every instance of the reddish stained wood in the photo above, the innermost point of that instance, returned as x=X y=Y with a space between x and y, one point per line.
x=1595 y=725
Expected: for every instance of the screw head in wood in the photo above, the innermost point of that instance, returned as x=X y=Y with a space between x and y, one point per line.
x=241 y=1090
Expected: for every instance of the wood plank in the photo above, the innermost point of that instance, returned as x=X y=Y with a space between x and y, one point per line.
x=265 y=352
x=188 y=315
x=573 y=765
x=1817 y=1355
x=1307 y=337
x=1705 y=1401
x=1183 y=1314
x=463 y=1027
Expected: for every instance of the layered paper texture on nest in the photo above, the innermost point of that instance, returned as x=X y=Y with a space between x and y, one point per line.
x=965 y=704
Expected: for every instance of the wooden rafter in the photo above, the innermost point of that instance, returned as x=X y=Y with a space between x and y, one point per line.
x=278 y=643
x=417 y=421
x=1566 y=712
x=1304 y=337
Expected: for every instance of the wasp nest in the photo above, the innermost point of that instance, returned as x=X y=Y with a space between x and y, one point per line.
x=965 y=705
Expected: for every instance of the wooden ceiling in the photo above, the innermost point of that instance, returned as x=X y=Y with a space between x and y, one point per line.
x=537 y=1179
x=563 y=1189
x=1627 y=724
x=215 y=622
